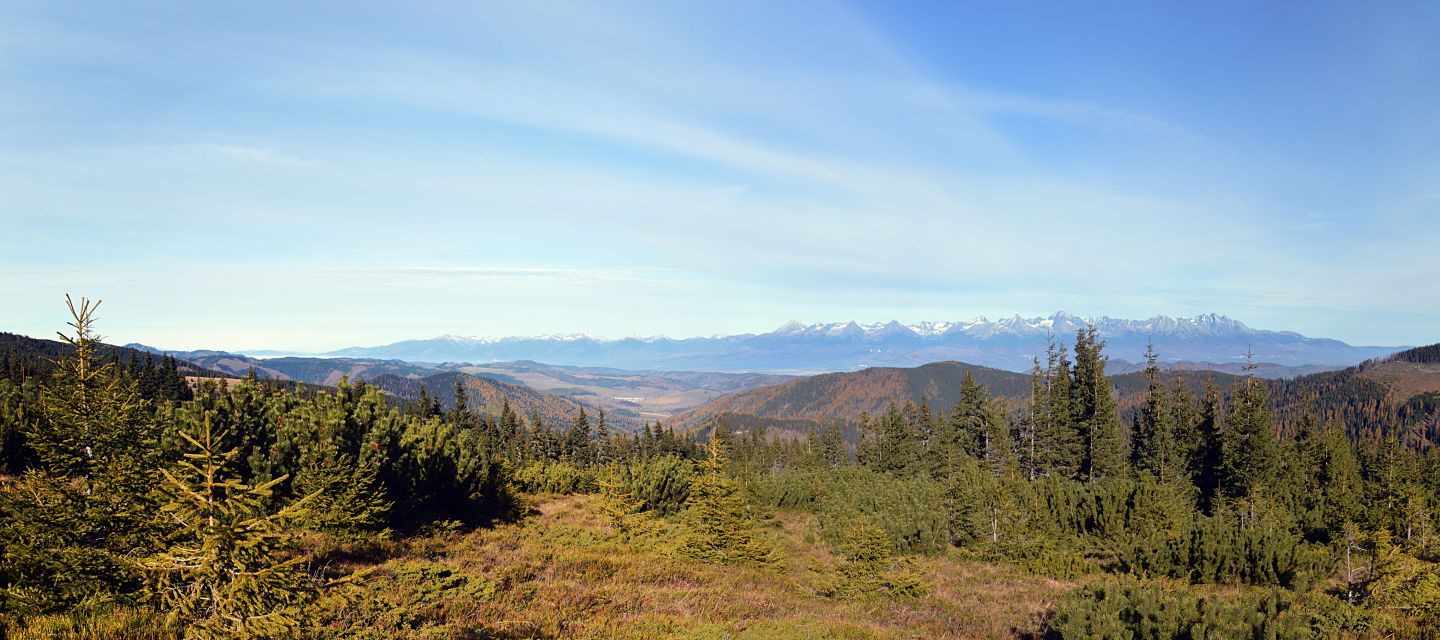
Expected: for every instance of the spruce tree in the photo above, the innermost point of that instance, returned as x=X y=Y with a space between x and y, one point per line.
x=603 y=455
x=460 y=413
x=1033 y=424
x=1249 y=456
x=929 y=445
x=90 y=502
x=1153 y=443
x=624 y=511
x=832 y=443
x=1209 y=453
x=508 y=429
x=869 y=568
x=867 y=450
x=1093 y=405
x=720 y=527
x=577 y=439
x=1185 y=419
x=97 y=426
x=899 y=444
x=225 y=573
x=998 y=439
x=1062 y=444
x=422 y=404
x=966 y=427
x=1337 y=474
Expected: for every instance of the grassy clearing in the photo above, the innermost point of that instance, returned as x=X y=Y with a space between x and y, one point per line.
x=561 y=572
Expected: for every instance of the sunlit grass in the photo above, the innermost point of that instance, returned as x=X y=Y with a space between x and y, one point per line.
x=563 y=573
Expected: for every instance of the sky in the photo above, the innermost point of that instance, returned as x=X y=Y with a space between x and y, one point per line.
x=309 y=176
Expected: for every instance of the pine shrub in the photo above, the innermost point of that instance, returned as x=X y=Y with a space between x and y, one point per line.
x=1226 y=548
x=799 y=489
x=907 y=509
x=661 y=483
x=1158 y=611
x=547 y=476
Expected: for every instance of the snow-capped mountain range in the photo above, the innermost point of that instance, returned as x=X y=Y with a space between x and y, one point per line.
x=1007 y=343
x=1059 y=323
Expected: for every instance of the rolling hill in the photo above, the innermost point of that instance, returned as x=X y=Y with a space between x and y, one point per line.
x=486 y=396
x=316 y=371
x=35 y=353
x=844 y=396
x=629 y=397
x=1400 y=392
x=841 y=397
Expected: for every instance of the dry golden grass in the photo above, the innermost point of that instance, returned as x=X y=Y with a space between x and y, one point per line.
x=562 y=573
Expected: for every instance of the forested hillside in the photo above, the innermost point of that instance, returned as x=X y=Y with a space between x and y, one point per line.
x=253 y=511
x=316 y=371
x=1393 y=395
x=1397 y=393
x=845 y=396
x=23 y=358
x=19 y=354
x=484 y=395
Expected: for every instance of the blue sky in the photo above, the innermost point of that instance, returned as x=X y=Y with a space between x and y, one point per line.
x=309 y=176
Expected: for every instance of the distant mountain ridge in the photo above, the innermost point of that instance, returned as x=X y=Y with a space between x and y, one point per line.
x=1007 y=343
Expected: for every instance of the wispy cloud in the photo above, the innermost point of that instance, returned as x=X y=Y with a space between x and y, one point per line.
x=642 y=168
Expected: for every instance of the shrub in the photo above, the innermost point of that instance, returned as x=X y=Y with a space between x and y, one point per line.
x=907 y=509
x=870 y=569
x=661 y=484
x=791 y=488
x=1120 y=610
x=555 y=477
x=1226 y=548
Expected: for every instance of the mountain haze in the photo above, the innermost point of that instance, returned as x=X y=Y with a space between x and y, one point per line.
x=1007 y=344
x=630 y=397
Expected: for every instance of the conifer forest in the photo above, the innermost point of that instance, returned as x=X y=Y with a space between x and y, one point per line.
x=139 y=502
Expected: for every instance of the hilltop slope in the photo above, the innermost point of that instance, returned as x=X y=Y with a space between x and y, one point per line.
x=844 y=396
x=37 y=352
x=1402 y=390
x=819 y=400
x=485 y=396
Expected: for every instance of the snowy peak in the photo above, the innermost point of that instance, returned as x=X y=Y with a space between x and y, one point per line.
x=790 y=327
x=459 y=339
x=1007 y=342
x=1058 y=324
